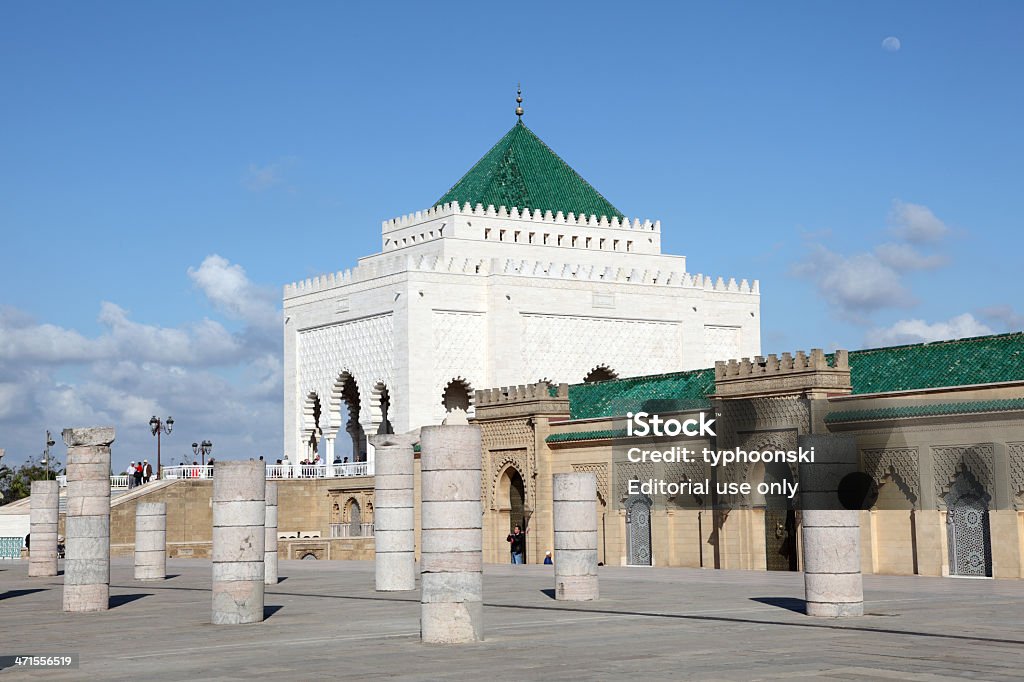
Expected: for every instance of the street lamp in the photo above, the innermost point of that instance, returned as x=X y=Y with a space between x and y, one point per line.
x=50 y=442
x=204 y=448
x=156 y=426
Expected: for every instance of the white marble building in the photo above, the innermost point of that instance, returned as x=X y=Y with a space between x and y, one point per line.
x=500 y=283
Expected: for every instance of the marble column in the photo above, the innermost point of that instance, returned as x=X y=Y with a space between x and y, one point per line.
x=87 y=522
x=833 y=584
x=239 y=530
x=151 y=541
x=451 y=558
x=329 y=459
x=43 y=512
x=575 y=519
x=270 y=543
x=394 y=528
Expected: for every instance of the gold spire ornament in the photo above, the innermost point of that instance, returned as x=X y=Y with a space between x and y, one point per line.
x=519 y=101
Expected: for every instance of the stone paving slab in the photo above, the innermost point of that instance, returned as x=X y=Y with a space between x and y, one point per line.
x=324 y=619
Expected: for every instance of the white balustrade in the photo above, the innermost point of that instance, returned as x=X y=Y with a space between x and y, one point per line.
x=274 y=472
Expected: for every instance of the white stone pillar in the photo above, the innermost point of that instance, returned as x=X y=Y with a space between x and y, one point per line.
x=451 y=560
x=270 y=544
x=151 y=541
x=43 y=513
x=394 y=528
x=370 y=456
x=329 y=459
x=87 y=522
x=575 y=519
x=239 y=518
x=833 y=584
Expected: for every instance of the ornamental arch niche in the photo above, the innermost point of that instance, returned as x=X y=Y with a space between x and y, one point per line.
x=457 y=397
x=346 y=409
x=311 y=432
x=380 y=408
x=510 y=502
x=600 y=373
x=967 y=526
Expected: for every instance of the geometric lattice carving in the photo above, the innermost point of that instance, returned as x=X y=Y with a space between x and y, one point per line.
x=364 y=348
x=721 y=343
x=568 y=347
x=901 y=463
x=600 y=470
x=1015 y=451
x=761 y=414
x=460 y=345
x=949 y=460
x=630 y=471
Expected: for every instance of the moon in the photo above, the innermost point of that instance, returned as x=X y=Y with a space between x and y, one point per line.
x=891 y=44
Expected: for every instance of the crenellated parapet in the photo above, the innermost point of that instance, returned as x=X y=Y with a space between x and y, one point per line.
x=542 y=397
x=524 y=214
x=428 y=263
x=811 y=375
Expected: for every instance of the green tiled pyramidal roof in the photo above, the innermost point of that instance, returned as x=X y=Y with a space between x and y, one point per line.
x=961 y=362
x=663 y=393
x=521 y=171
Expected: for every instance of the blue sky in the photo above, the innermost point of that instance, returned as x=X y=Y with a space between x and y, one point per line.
x=166 y=167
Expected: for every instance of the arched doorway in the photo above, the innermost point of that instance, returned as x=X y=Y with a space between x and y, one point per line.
x=967 y=527
x=780 y=548
x=600 y=373
x=512 y=502
x=348 y=403
x=638 y=530
x=311 y=433
x=355 y=520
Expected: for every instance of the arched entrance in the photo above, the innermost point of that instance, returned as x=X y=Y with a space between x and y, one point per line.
x=967 y=527
x=638 y=530
x=780 y=548
x=511 y=503
x=348 y=403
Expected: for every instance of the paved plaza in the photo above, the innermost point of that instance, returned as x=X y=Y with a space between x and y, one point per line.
x=324 y=619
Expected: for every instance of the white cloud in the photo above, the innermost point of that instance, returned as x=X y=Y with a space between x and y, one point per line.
x=259 y=178
x=916 y=224
x=919 y=331
x=854 y=284
x=1005 y=316
x=891 y=44
x=230 y=290
x=905 y=258
x=218 y=385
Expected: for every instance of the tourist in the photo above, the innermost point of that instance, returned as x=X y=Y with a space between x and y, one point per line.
x=137 y=474
x=547 y=558
x=517 y=543
x=147 y=471
x=130 y=473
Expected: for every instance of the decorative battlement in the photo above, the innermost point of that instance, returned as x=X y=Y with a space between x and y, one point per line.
x=772 y=375
x=521 y=268
x=542 y=390
x=524 y=214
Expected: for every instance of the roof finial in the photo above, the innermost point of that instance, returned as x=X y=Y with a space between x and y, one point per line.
x=519 y=101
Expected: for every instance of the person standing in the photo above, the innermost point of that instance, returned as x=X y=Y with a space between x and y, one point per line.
x=147 y=471
x=138 y=474
x=130 y=473
x=517 y=544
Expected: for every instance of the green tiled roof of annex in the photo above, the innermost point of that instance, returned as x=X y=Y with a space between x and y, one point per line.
x=521 y=171
x=963 y=362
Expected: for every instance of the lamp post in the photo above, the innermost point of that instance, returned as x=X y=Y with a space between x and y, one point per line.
x=157 y=425
x=46 y=453
x=204 y=448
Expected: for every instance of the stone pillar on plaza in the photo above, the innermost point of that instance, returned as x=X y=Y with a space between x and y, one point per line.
x=451 y=557
x=833 y=584
x=270 y=543
x=43 y=512
x=239 y=518
x=151 y=541
x=394 y=528
x=575 y=520
x=87 y=522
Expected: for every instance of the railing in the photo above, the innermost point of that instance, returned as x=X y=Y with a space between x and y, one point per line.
x=344 y=530
x=274 y=471
x=116 y=482
x=190 y=471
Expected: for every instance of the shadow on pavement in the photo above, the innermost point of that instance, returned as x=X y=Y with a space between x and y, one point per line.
x=10 y=594
x=122 y=599
x=790 y=603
